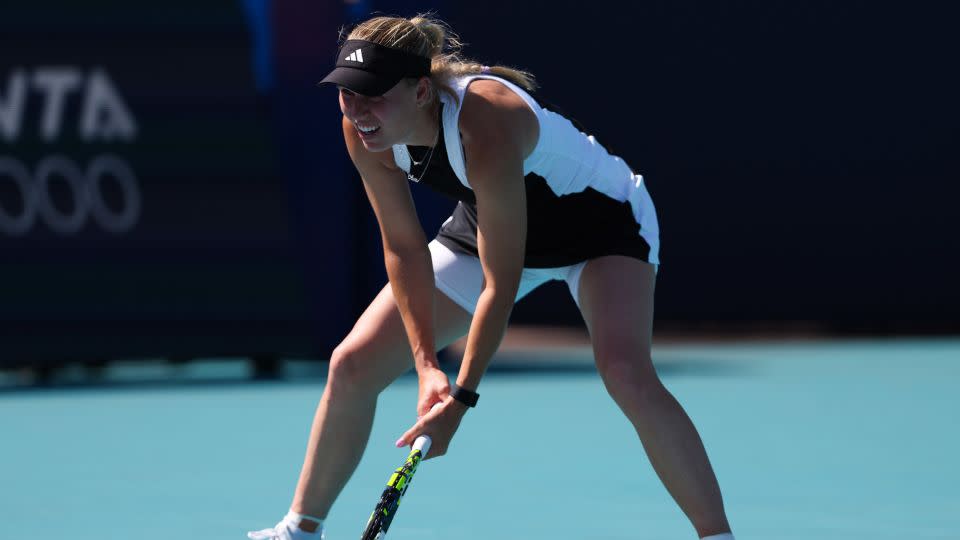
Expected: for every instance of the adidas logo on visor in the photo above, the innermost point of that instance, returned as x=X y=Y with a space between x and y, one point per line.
x=356 y=56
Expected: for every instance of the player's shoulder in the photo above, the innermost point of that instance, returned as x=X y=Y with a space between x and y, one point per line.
x=483 y=97
x=491 y=109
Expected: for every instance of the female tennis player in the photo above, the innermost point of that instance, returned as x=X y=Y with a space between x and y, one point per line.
x=539 y=200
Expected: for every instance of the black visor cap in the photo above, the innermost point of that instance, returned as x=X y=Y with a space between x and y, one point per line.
x=370 y=69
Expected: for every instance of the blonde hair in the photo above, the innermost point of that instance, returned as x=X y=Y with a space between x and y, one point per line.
x=430 y=37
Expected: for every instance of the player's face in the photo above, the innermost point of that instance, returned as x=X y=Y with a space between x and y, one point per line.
x=382 y=121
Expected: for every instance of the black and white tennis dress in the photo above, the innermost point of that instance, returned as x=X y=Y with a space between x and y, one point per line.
x=582 y=203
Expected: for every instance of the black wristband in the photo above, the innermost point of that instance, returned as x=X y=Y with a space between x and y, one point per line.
x=464 y=396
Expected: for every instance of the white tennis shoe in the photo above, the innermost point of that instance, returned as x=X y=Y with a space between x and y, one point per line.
x=284 y=531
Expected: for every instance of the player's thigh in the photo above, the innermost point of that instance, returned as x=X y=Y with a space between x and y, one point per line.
x=377 y=351
x=616 y=300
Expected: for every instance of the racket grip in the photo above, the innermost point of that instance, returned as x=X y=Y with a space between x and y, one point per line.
x=422 y=444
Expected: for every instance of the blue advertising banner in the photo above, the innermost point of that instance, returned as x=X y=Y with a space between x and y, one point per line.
x=142 y=208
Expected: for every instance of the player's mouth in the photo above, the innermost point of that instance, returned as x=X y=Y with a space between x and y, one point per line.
x=365 y=130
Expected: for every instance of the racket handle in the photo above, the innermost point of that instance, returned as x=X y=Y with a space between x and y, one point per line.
x=422 y=444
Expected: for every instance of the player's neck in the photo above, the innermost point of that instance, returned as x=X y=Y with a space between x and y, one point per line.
x=426 y=132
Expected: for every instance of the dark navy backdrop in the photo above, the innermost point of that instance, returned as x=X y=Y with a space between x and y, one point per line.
x=802 y=157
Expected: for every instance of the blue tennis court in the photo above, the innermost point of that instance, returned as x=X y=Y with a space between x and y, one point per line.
x=810 y=439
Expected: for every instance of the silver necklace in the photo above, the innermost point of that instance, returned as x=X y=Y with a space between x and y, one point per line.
x=416 y=163
x=426 y=158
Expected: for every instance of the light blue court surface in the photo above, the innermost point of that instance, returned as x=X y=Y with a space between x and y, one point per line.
x=810 y=440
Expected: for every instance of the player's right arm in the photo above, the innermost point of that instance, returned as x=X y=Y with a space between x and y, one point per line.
x=405 y=251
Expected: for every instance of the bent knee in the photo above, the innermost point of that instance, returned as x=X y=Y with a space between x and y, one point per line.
x=353 y=371
x=627 y=370
x=634 y=388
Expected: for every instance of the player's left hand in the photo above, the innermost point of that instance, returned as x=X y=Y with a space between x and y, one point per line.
x=440 y=424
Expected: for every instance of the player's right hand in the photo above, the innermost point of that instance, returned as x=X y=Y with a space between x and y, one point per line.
x=434 y=388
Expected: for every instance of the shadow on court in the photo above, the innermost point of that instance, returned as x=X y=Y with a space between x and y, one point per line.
x=674 y=368
x=157 y=376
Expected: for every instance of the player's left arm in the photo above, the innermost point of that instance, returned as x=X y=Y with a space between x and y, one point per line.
x=498 y=131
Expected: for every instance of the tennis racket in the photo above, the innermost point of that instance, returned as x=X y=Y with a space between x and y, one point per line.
x=398 y=484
